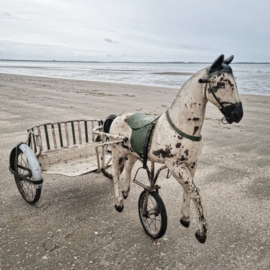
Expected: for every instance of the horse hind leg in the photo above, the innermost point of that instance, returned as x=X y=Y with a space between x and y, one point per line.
x=117 y=159
x=128 y=168
x=183 y=176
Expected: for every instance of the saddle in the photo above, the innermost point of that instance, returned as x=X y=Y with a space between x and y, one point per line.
x=142 y=126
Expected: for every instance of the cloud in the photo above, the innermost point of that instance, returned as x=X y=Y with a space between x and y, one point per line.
x=191 y=47
x=109 y=40
x=134 y=30
x=5 y=15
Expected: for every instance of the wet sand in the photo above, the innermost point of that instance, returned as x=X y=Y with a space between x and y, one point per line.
x=75 y=225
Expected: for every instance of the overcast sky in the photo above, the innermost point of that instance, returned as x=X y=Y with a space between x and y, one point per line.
x=135 y=30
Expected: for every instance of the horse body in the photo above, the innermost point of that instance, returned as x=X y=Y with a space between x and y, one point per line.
x=179 y=153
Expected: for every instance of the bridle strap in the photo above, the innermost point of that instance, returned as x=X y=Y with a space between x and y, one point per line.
x=205 y=88
x=214 y=95
x=223 y=109
x=190 y=137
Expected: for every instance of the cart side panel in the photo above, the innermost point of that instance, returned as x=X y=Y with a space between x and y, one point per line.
x=64 y=134
x=66 y=154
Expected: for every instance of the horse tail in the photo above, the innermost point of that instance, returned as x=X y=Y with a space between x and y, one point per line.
x=108 y=122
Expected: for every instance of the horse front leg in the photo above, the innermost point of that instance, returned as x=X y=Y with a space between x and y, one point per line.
x=117 y=159
x=185 y=210
x=184 y=177
x=128 y=168
x=185 y=219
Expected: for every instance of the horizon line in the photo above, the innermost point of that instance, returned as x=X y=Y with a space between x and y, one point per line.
x=153 y=62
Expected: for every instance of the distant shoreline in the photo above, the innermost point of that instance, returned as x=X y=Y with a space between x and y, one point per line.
x=128 y=62
x=110 y=83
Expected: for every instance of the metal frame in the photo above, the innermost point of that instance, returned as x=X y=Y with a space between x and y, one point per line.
x=152 y=177
x=118 y=139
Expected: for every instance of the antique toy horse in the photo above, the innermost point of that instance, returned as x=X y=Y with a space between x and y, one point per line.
x=176 y=139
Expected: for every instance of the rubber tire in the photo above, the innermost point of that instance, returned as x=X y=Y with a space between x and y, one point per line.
x=108 y=122
x=162 y=213
x=36 y=192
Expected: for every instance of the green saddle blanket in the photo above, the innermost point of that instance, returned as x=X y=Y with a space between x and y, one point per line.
x=139 y=120
x=140 y=124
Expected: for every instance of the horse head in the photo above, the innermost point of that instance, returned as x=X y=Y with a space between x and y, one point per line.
x=221 y=89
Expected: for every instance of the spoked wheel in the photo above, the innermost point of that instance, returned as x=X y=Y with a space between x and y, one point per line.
x=23 y=170
x=152 y=214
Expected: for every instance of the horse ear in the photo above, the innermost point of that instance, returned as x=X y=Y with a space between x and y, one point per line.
x=228 y=60
x=217 y=63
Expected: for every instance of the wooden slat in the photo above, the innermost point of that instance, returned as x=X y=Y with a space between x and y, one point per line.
x=60 y=134
x=73 y=132
x=54 y=137
x=34 y=141
x=47 y=137
x=86 y=131
x=92 y=127
x=103 y=152
x=39 y=133
x=79 y=132
x=66 y=129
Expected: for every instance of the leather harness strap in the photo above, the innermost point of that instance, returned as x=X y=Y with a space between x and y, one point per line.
x=147 y=144
x=190 y=137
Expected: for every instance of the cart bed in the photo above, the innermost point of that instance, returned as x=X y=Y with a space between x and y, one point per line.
x=70 y=161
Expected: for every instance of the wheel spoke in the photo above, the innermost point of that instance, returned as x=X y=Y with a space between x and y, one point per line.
x=29 y=187
x=26 y=188
x=154 y=220
x=155 y=223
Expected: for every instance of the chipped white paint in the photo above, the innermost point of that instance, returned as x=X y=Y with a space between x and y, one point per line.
x=178 y=153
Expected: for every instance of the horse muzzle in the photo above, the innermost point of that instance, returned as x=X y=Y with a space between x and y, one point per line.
x=233 y=113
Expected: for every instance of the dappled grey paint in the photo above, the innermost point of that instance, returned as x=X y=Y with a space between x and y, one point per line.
x=178 y=152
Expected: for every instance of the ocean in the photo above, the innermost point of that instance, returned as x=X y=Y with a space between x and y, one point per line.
x=251 y=78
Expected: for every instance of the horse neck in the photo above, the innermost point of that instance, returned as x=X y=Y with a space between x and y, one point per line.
x=188 y=109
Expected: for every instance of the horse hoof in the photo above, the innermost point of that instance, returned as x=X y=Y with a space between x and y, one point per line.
x=124 y=195
x=200 y=238
x=119 y=208
x=184 y=223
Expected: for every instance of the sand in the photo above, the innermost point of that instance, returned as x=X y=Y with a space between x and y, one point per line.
x=75 y=226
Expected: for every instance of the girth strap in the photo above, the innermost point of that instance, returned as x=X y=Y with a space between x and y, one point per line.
x=147 y=144
x=190 y=137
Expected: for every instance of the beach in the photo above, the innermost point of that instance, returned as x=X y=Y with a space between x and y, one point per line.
x=75 y=225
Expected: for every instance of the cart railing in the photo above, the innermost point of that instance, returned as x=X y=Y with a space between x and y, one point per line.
x=105 y=142
x=65 y=134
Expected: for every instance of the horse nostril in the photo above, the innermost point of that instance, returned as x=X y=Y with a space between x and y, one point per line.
x=235 y=116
